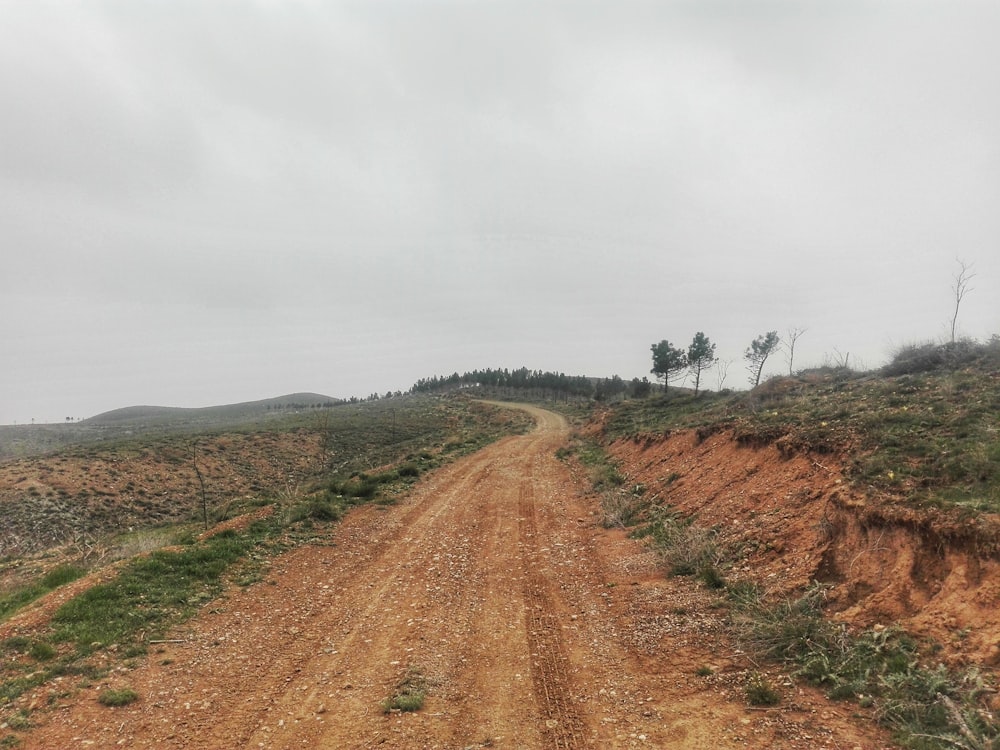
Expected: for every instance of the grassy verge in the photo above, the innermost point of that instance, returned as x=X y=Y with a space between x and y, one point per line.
x=623 y=504
x=927 y=707
x=13 y=600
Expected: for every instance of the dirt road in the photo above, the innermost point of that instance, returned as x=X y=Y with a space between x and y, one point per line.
x=494 y=586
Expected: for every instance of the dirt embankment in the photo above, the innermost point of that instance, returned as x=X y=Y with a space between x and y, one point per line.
x=797 y=521
x=495 y=589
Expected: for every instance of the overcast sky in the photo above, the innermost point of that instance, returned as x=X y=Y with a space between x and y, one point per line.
x=209 y=202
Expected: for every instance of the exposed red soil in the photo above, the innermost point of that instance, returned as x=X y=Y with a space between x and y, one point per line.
x=532 y=626
x=799 y=521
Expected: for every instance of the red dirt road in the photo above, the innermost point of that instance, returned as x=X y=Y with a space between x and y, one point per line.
x=531 y=625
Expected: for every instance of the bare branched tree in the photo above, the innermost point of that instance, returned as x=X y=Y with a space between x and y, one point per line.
x=201 y=481
x=792 y=337
x=722 y=370
x=960 y=288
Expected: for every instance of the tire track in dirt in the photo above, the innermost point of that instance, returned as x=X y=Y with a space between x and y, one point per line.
x=549 y=666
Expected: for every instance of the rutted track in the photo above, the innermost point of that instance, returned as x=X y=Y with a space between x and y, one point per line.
x=549 y=665
x=494 y=583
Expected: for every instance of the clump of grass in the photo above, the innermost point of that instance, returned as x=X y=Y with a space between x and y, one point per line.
x=19 y=721
x=409 y=694
x=623 y=507
x=41 y=651
x=119 y=697
x=688 y=549
x=322 y=509
x=759 y=691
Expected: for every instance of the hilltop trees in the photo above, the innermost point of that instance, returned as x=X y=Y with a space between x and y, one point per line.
x=756 y=355
x=700 y=356
x=669 y=362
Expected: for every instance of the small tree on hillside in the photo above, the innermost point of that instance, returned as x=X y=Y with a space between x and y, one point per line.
x=700 y=356
x=760 y=349
x=793 y=336
x=960 y=289
x=722 y=370
x=669 y=362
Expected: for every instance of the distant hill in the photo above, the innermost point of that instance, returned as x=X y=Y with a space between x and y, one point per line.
x=147 y=415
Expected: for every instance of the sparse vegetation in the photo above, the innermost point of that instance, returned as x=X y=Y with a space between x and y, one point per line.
x=409 y=694
x=927 y=707
x=923 y=433
x=119 y=697
x=760 y=692
x=622 y=504
x=58 y=576
x=687 y=549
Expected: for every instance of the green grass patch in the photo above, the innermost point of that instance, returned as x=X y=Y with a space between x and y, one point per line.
x=151 y=593
x=409 y=694
x=119 y=697
x=58 y=576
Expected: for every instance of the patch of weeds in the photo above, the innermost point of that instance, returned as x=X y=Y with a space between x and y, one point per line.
x=409 y=471
x=58 y=576
x=150 y=593
x=704 y=671
x=621 y=508
x=11 y=740
x=688 y=550
x=409 y=694
x=41 y=651
x=601 y=468
x=928 y=708
x=19 y=721
x=119 y=697
x=787 y=629
x=759 y=692
x=325 y=509
x=712 y=577
x=17 y=644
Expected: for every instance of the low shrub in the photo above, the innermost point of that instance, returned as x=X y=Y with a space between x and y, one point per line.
x=409 y=695
x=687 y=549
x=759 y=691
x=121 y=697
